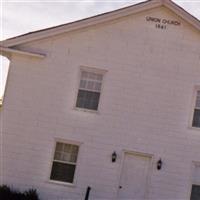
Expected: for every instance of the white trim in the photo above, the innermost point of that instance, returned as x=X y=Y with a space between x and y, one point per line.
x=194 y=128
x=86 y=110
x=138 y=153
x=16 y=51
x=68 y=141
x=65 y=162
x=61 y=183
x=93 y=69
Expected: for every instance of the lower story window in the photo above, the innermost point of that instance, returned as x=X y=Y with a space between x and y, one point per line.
x=195 y=195
x=64 y=162
x=196 y=118
x=196 y=115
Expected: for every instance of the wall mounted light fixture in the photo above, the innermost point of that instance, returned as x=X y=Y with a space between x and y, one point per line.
x=114 y=156
x=159 y=164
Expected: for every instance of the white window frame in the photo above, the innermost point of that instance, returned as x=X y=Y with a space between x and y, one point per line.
x=92 y=70
x=72 y=142
x=196 y=88
x=194 y=164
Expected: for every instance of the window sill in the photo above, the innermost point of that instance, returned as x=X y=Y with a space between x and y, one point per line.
x=194 y=128
x=61 y=183
x=86 y=110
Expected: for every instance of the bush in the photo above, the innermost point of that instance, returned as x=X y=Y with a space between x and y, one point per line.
x=6 y=193
x=31 y=194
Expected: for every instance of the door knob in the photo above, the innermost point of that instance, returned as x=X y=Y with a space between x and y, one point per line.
x=120 y=187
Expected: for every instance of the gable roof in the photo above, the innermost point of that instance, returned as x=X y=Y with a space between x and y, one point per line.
x=150 y=4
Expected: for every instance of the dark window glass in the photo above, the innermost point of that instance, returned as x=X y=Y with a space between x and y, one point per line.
x=195 y=195
x=196 y=118
x=88 y=99
x=62 y=172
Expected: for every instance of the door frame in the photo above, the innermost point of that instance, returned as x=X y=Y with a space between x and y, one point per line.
x=150 y=168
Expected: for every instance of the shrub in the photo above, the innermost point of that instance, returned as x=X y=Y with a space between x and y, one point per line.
x=6 y=193
x=31 y=194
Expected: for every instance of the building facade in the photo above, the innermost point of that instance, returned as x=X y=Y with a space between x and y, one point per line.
x=111 y=102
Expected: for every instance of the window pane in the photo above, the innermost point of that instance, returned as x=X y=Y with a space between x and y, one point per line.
x=66 y=157
x=97 y=86
x=67 y=147
x=196 y=174
x=92 y=75
x=196 y=118
x=59 y=146
x=89 y=79
x=65 y=152
x=57 y=156
x=90 y=85
x=198 y=99
x=84 y=74
x=99 y=77
x=75 y=149
x=83 y=84
x=195 y=195
x=73 y=158
x=62 y=172
x=88 y=100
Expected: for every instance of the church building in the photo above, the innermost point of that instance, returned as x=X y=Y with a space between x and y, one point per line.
x=105 y=108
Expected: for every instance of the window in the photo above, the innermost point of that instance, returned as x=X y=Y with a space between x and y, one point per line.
x=195 y=193
x=89 y=90
x=196 y=115
x=64 y=162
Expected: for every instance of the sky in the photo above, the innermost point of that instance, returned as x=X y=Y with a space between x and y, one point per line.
x=22 y=16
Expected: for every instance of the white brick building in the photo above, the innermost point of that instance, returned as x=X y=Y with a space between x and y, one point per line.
x=124 y=84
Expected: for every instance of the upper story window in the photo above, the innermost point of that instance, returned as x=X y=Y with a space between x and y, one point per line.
x=89 y=90
x=64 y=162
x=196 y=115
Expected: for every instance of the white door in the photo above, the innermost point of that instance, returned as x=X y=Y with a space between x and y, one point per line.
x=134 y=177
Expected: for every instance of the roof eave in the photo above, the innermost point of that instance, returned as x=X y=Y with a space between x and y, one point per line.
x=102 y=18
x=5 y=51
x=81 y=23
x=182 y=13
